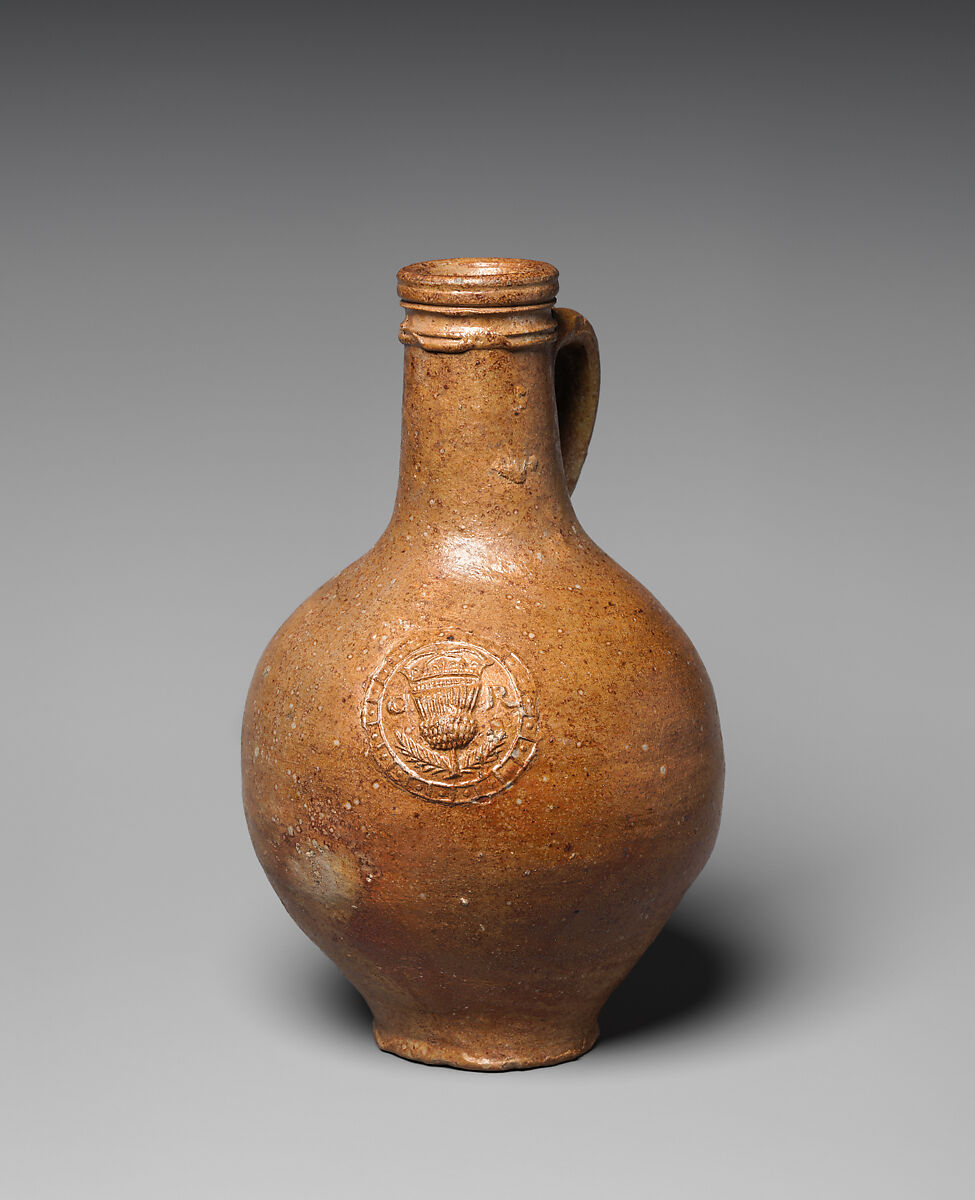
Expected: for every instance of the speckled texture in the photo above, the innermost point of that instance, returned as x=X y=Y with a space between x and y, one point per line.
x=482 y=765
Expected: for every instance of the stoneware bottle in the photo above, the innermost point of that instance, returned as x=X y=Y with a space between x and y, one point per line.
x=482 y=765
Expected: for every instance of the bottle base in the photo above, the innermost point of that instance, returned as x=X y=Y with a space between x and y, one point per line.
x=495 y=1055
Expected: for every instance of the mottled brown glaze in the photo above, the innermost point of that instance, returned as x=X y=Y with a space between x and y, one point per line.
x=482 y=765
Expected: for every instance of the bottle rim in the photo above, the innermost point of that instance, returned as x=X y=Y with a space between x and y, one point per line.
x=478 y=282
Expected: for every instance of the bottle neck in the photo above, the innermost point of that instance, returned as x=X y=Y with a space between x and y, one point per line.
x=480 y=453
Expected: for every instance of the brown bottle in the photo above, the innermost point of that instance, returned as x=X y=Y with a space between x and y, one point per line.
x=482 y=765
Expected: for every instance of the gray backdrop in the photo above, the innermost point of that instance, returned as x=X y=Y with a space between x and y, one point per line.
x=767 y=213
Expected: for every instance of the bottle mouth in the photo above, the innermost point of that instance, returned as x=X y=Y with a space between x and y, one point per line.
x=478 y=283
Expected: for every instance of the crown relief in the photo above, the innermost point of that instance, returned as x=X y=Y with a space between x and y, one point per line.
x=429 y=667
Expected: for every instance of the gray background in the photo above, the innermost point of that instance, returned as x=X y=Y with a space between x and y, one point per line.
x=767 y=213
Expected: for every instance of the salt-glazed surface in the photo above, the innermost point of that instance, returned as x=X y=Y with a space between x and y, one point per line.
x=482 y=765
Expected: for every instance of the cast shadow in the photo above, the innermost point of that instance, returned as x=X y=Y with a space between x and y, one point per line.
x=687 y=974
x=342 y=1002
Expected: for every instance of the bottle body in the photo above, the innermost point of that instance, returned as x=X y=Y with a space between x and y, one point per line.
x=482 y=765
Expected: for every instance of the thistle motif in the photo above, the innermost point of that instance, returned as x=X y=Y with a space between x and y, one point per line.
x=445 y=689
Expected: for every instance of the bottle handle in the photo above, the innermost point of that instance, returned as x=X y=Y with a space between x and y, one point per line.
x=576 y=369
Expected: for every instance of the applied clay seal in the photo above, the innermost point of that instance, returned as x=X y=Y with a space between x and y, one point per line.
x=451 y=720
